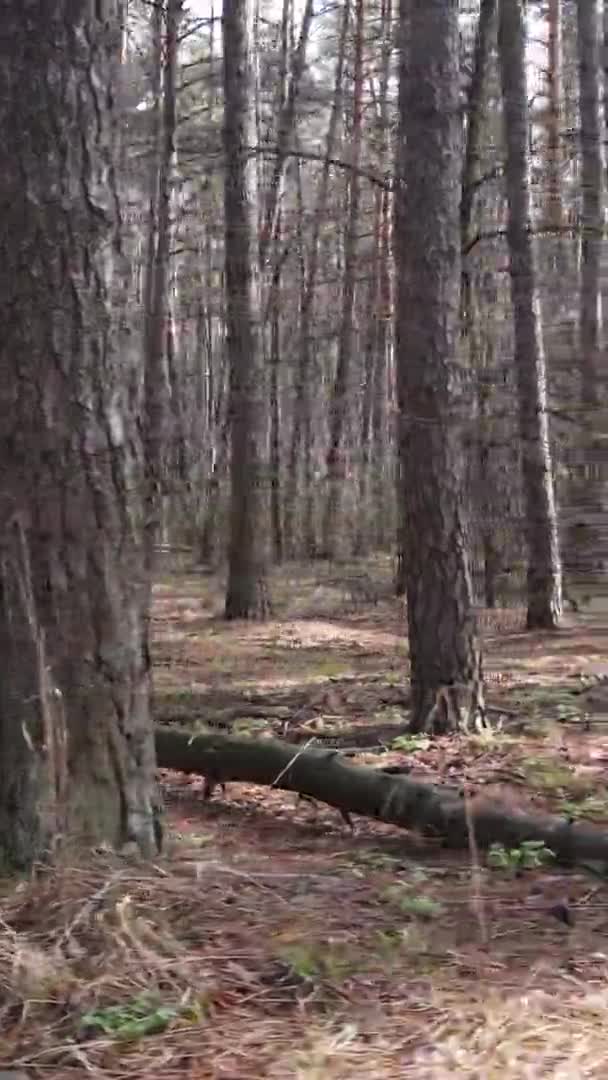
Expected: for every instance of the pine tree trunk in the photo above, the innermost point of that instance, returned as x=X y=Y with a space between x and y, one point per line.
x=247 y=554
x=586 y=535
x=76 y=743
x=165 y=26
x=340 y=399
x=544 y=565
x=444 y=651
x=302 y=434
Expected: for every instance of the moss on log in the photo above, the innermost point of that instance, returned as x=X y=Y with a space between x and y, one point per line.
x=433 y=810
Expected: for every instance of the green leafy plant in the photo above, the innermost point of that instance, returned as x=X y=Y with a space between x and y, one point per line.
x=410 y=744
x=132 y=1020
x=374 y=859
x=553 y=777
x=530 y=855
x=413 y=904
x=331 y=960
x=566 y=711
x=423 y=907
x=592 y=807
x=303 y=960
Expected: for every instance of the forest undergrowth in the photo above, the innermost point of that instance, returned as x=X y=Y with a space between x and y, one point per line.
x=270 y=940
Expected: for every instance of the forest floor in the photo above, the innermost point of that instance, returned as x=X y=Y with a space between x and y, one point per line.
x=270 y=941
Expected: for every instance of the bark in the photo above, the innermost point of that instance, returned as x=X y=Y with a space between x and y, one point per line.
x=76 y=742
x=476 y=113
x=437 y=811
x=383 y=443
x=476 y=108
x=544 y=581
x=340 y=399
x=286 y=128
x=383 y=406
x=585 y=537
x=444 y=650
x=157 y=315
x=363 y=531
x=276 y=522
x=375 y=453
x=555 y=209
x=302 y=435
x=247 y=554
x=605 y=65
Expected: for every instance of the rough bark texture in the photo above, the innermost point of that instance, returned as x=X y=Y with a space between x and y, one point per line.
x=301 y=449
x=444 y=651
x=436 y=810
x=544 y=566
x=335 y=461
x=587 y=533
x=247 y=410
x=555 y=210
x=76 y=743
x=476 y=109
x=165 y=27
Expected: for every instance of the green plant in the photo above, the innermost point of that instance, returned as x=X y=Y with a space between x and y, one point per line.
x=530 y=855
x=143 y=1015
x=373 y=859
x=566 y=711
x=594 y=806
x=318 y=961
x=554 y=778
x=303 y=960
x=490 y=738
x=422 y=907
x=410 y=744
x=415 y=905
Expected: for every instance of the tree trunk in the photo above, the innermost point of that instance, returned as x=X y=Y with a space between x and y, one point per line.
x=276 y=522
x=544 y=565
x=444 y=651
x=247 y=554
x=165 y=26
x=372 y=526
x=302 y=434
x=469 y=308
x=76 y=743
x=585 y=537
x=340 y=399
x=286 y=128
x=476 y=111
x=555 y=209
x=438 y=811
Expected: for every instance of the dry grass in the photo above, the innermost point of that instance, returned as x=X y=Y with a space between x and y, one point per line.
x=269 y=942
x=298 y=967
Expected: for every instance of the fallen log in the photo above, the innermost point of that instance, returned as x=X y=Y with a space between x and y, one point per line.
x=434 y=810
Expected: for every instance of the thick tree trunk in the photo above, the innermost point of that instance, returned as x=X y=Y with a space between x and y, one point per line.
x=444 y=651
x=76 y=743
x=247 y=553
x=437 y=811
x=544 y=565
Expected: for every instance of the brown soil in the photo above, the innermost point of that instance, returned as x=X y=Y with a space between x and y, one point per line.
x=284 y=945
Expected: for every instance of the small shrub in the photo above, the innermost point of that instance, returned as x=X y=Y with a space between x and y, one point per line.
x=530 y=855
x=132 y=1020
